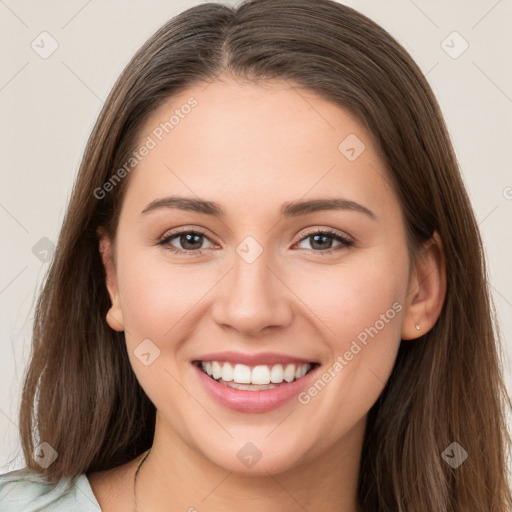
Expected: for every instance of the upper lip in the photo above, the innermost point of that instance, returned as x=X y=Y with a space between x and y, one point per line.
x=263 y=358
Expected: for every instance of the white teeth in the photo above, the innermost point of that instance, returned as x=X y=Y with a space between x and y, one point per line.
x=300 y=372
x=242 y=374
x=227 y=372
x=216 y=370
x=289 y=373
x=258 y=375
x=277 y=373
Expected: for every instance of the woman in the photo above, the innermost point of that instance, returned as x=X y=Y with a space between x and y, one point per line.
x=269 y=290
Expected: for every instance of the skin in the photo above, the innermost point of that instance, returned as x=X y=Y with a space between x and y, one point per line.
x=252 y=148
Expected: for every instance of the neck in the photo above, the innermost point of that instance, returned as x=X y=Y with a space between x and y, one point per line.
x=175 y=477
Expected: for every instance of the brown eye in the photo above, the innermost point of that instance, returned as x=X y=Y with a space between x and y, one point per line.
x=187 y=242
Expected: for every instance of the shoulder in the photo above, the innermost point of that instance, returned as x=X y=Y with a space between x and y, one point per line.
x=26 y=490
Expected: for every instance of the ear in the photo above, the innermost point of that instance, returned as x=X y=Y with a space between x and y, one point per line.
x=115 y=315
x=427 y=290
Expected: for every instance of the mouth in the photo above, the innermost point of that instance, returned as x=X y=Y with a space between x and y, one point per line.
x=260 y=377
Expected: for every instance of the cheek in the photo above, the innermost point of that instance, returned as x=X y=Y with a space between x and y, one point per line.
x=352 y=296
x=359 y=308
x=157 y=296
x=158 y=301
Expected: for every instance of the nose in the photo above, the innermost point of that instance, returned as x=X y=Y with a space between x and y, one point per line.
x=252 y=298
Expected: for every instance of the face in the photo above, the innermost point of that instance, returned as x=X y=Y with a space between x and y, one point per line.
x=256 y=278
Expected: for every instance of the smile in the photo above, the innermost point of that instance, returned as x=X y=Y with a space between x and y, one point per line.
x=254 y=387
x=253 y=378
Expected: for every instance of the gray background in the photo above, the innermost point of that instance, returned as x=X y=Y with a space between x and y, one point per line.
x=49 y=105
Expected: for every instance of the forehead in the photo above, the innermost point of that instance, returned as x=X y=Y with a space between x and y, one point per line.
x=242 y=144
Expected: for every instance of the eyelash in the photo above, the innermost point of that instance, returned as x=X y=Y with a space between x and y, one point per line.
x=345 y=242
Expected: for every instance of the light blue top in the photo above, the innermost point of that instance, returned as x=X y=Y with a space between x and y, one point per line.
x=25 y=490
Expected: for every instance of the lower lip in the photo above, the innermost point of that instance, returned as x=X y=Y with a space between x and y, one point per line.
x=253 y=401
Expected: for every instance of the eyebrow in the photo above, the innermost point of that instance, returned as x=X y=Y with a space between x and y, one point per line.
x=288 y=210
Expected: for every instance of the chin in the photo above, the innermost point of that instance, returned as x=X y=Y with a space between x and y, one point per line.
x=253 y=458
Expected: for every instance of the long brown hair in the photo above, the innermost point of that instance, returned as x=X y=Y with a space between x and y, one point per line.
x=80 y=394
